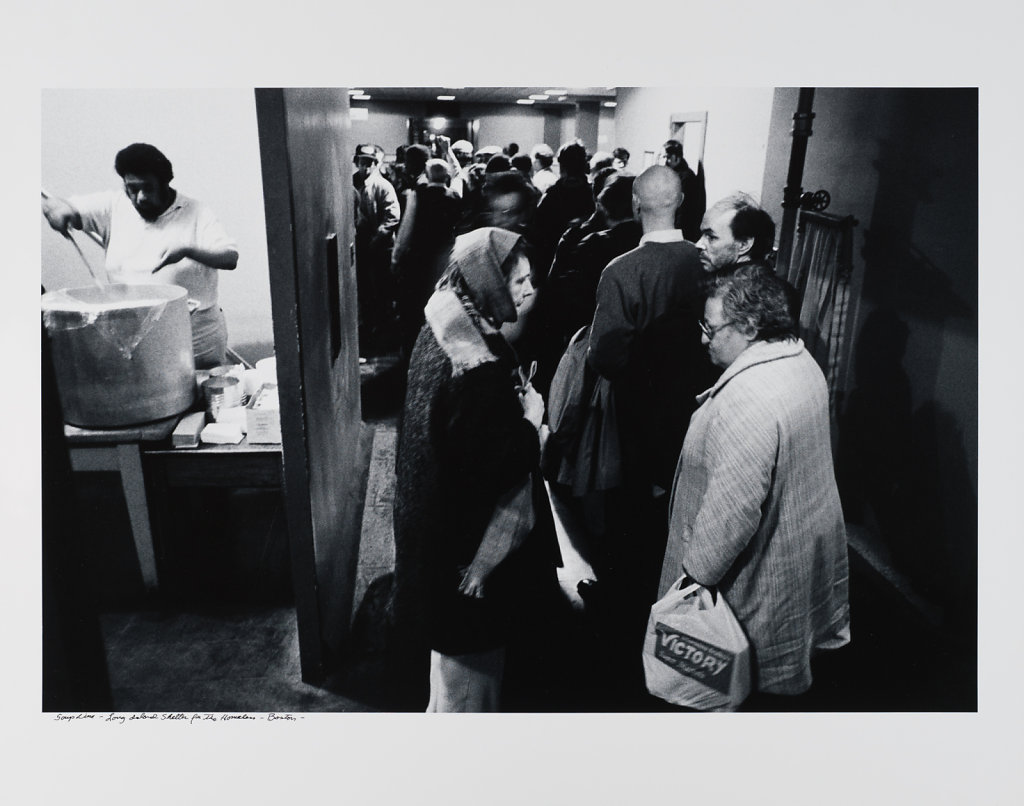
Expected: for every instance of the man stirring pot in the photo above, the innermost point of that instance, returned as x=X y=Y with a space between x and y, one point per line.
x=151 y=233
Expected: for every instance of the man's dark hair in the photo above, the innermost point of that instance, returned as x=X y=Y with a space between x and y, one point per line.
x=675 y=148
x=416 y=157
x=601 y=179
x=522 y=163
x=400 y=153
x=617 y=197
x=513 y=183
x=621 y=154
x=141 y=159
x=499 y=163
x=572 y=159
x=496 y=184
x=511 y=150
x=602 y=159
x=753 y=222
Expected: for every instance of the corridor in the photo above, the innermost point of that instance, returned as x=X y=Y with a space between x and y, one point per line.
x=221 y=635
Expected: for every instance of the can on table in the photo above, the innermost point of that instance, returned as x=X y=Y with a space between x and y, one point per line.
x=221 y=392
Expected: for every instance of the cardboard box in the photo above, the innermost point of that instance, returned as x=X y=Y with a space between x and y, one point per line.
x=263 y=415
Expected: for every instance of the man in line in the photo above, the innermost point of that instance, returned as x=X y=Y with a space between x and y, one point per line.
x=569 y=197
x=543 y=159
x=737 y=232
x=377 y=214
x=425 y=238
x=734 y=231
x=644 y=338
x=462 y=156
x=413 y=173
x=154 y=234
x=695 y=199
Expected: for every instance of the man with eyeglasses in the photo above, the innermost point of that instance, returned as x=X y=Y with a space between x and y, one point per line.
x=644 y=339
x=755 y=507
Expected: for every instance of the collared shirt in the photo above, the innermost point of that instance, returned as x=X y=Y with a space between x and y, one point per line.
x=662 y=236
x=133 y=245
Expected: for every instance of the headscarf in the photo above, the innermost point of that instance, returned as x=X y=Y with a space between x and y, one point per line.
x=479 y=258
x=472 y=298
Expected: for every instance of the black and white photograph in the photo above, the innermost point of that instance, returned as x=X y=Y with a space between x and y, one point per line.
x=638 y=422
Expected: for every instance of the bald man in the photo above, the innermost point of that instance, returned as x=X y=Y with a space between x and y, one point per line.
x=646 y=340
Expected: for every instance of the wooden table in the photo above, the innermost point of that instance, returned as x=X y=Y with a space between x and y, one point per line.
x=124 y=449
x=119 y=449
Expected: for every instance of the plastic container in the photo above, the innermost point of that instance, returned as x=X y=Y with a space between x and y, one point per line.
x=122 y=353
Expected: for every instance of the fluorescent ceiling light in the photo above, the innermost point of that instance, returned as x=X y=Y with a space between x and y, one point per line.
x=525 y=101
x=446 y=97
x=539 y=97
x=557 y=92
x=355 y=92
x=361 y=97
x=610 y=104
x=562 y=97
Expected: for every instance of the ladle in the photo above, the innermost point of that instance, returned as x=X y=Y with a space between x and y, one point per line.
x=78 y=249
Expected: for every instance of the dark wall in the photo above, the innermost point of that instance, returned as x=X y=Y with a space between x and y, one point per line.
x=904 y=162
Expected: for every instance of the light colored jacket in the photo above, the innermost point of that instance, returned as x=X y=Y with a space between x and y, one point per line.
x=755 y=510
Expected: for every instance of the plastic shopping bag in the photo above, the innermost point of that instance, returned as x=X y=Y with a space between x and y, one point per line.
x=695 y=652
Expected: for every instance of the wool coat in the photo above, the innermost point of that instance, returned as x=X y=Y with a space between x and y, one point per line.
x=463 y=443
x=645 y=340
x=756 y=512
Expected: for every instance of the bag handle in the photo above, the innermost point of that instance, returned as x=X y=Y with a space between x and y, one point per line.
x=688 y=587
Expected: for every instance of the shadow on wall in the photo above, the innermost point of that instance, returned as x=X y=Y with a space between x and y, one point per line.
x=903 y=470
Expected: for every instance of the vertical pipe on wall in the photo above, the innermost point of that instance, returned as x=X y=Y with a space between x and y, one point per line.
x=791 y=195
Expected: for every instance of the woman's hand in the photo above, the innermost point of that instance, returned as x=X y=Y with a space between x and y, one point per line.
x=472 y=583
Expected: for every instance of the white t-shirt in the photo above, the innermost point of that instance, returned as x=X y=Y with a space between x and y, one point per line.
x=134 y=245
x=543 y=179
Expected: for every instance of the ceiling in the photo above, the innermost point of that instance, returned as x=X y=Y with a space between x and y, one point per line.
x=501 y=95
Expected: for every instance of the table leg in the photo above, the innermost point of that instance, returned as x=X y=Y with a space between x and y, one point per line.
x=129 y=460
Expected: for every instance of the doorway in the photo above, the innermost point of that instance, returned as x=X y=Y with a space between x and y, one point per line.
x=690 y=129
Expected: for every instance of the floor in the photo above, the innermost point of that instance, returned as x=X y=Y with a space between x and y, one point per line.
x=225 y=639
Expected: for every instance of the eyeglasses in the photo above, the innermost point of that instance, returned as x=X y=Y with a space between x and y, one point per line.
x=711 y=331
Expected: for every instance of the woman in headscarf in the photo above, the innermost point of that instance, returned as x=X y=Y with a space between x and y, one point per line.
x=468 y=445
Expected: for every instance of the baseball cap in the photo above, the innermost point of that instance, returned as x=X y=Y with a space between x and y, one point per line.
x=366 y=150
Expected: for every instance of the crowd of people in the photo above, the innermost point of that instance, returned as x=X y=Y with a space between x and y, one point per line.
x=603 y=332
x=611 y=335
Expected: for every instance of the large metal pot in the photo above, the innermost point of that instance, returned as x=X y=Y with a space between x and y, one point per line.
x=122 y=353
